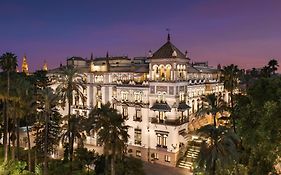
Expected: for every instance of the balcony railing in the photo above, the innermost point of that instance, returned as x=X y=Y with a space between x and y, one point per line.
x=137 y=142
x=163 y=147
x=137 y=119
x=172 y=122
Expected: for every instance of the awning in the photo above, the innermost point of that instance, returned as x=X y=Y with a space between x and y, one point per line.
x=183 y=106
x=161 y=107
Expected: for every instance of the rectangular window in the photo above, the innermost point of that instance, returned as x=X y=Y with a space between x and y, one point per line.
x=138 y=136
x=161 y=117
x=167 y=158
x=138 y=116
x=159 y=137
x=138 y=153
x=162 y=140
x=156 y=156
x=124 y=96
x=138 y=96
x=182 y=96
x=125 y=112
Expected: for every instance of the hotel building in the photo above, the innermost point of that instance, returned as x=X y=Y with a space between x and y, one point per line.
x=158 y=95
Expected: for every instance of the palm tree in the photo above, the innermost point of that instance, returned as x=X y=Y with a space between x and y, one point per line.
x=70 y=85
x=49 y=101
x=75 y=129
x=273 y=66
x=211 y=104
x=8 y=63
x=231 y=75
x=221 y=148
x=111 y=130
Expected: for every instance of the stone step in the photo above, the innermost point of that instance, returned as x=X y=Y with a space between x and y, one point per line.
x=187 y=165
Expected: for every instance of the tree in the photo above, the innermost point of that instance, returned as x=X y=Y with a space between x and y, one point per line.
x=211 y=104
x=273 y=66
x=70 y=85
x=231 y=76
x=8 y=63
x=40 y=81
x=74 y=127
x=85 y=157
x=47 y=137
x=111 y=130
x=222 y=148
x=259 y=125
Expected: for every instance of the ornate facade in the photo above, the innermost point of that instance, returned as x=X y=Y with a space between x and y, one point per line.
x=158 y=95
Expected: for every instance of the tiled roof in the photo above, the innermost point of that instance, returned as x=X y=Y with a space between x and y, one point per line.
x=183 y=106
x=168 y=50
x=161 y=107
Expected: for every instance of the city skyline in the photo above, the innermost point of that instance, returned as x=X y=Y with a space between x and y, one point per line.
x=219 y=32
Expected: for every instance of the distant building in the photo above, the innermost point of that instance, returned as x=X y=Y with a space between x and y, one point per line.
x=24 y=66
x=158 y=95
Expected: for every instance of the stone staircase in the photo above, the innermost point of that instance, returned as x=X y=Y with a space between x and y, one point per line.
x=190 y=156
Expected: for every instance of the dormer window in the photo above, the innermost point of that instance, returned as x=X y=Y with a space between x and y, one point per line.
x=174 y=54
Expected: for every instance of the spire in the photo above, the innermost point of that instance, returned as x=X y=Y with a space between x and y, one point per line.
x=45 y=66
x=169 y=37
x=24 y=66
x=107 y=62
x=92 y=57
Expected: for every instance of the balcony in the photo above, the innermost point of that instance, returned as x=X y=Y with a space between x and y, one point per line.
x=137 y=142
x=172 y=122
x=161 y=147
x=137 y=119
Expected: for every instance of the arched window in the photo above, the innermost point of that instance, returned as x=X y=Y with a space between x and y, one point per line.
x=193 y=106
x=168 y=72
x=162 y=72
x=155 y=72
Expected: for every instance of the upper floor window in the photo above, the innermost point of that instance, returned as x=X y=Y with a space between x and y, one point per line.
x=98 y=78
x=138 y=116
x=161 y=97
x=182 y=96
x=124 y=95
x=138 y=96
x=162 y=140
x=125 y=112
x=138 y=136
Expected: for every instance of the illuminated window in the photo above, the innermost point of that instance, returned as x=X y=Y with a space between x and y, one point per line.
x=182 y=96
x=138 y=96
x=161 y=117
x=138 y=153
x=124 y=95
x=167 y=158
x=161 y=97
x=156 y=156
x=98 y=78
x=162 y=140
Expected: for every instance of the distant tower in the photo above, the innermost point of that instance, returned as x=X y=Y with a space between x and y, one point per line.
x=24 y=66
x=45 y=66
x=107 y=62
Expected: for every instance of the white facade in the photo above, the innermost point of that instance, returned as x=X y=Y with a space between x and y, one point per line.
x=157 y=96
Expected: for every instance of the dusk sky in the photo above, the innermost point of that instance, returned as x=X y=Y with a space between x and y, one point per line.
x=243 y=32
